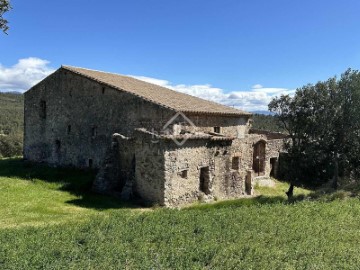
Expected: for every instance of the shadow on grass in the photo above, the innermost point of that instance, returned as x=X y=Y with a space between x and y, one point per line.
x=102 y=202
x=75 y=181
x=258 y=200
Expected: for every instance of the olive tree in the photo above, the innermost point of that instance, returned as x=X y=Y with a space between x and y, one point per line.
x=323 y=123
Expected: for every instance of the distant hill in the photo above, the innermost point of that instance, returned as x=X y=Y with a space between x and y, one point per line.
x=262 y=112
x=11 y=124
x=11 y=92
x=266 y=122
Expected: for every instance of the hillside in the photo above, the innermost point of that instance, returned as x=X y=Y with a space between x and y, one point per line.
x=11 y=124
x=11 y=113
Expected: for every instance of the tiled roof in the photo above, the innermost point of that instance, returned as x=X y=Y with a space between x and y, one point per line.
x=157 y=94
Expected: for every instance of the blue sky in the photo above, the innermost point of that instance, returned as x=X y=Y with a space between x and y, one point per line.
x=240 y=53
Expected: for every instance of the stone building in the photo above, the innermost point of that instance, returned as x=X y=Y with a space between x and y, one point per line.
x=148 y=141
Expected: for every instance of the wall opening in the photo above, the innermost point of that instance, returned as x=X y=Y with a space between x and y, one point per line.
x=259 y=158
x=235 y=163
x=217 y=129
x=273 y=164
x=69 y=129
x=103 y=90
x=43 y=109
x=184 y=174
x=205 y=180
x=57 y=145
x=90 y=163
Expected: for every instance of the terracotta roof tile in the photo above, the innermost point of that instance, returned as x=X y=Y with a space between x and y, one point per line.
x=157 y=94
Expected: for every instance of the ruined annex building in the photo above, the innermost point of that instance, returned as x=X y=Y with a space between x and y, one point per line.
x=146 y=141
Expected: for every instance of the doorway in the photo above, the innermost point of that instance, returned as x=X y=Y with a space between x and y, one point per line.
x=273 y=164
x=259 y=158
x=205 y=180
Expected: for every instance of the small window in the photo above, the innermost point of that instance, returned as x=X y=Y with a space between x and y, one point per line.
x=235 y=163
x=93 y=131
x=69 y=129
x=43 y=109
x=184 y=174
x=103 y=90
x=90 y=163
x=217 y=129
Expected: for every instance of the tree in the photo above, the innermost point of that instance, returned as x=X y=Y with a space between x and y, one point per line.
x=4 y=7
x=323 y=122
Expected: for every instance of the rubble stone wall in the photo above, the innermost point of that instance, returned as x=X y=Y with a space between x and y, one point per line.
x=81 y=116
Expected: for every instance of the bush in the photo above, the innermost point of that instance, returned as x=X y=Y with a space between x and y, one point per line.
x=11 y=146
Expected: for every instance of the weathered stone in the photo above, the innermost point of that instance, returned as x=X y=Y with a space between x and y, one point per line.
x=72 y=120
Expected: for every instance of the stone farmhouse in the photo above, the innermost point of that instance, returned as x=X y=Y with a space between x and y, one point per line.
x=146 y=141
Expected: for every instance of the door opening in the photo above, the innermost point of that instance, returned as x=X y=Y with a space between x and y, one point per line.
x=205 y=180
x=273 y=164
x=259 y=158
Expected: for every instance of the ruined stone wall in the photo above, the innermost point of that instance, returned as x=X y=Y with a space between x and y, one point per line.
x=183 y=167
x=236 y=127
x=118 y=169
x=81 y=116
x=172 y=172
x=149 y=171
x=244 y=149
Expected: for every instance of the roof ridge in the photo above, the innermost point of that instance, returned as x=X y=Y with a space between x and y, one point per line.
x=118 y=74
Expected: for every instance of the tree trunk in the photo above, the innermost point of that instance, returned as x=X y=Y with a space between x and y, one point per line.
x=290 y=192
x=336 y=173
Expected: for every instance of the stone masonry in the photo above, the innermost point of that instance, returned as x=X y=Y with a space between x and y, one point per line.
x=146 y=141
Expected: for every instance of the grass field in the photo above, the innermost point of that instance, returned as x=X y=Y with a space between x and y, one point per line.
x=50 y=220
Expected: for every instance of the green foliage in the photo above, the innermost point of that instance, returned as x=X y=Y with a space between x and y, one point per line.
x=11 y=124
x=323 y=121
x=45 y=225
x=4 y=7
x=267 y=122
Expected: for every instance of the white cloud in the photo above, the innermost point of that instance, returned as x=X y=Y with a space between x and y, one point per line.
x=29 y=71
x=257 y=86
x=255 y=99
x=24 y=74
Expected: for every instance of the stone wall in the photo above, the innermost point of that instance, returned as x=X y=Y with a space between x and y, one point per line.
x=230 y=165
x=231 y=126
x=182 y=167
x=118 y=168
x=81 y=116
x=69 y=120
x=169 y=174
x=149 y=171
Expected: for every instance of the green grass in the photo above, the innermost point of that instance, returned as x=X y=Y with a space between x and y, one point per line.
x=37 y=195
x=54 y=222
